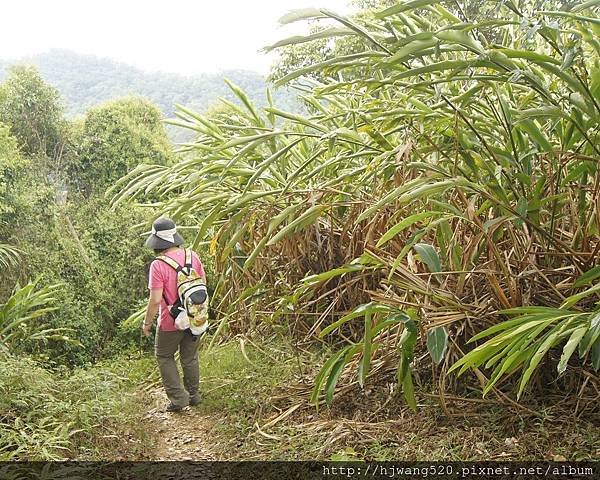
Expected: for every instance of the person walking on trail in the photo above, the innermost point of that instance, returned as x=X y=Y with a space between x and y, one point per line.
x=164 y=294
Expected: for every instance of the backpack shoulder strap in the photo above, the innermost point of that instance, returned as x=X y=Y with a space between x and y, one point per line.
x=188 y=261
x=173 y=264
x=169 y=261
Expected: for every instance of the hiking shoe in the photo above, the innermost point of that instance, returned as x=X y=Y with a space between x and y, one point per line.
x=171 y=407
x=195 y=400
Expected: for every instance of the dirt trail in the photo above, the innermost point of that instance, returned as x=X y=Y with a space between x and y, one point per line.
x=183 y=435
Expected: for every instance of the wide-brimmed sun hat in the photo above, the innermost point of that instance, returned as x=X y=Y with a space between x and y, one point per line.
x=164 y=235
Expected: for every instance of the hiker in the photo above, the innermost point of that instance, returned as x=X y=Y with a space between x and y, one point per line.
x=164 y=295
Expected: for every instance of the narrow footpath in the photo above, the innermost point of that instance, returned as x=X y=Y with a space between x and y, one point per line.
x=183 y=435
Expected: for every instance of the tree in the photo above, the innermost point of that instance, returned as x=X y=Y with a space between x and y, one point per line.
x=113 y=139
x=33 y=111
x=12 y=167
x=25 y=195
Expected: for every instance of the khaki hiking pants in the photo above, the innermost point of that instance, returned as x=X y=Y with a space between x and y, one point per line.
x=165 y=346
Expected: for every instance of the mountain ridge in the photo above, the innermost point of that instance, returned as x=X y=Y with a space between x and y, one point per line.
x=85 y=80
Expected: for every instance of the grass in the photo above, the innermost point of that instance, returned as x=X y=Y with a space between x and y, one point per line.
x=243 y=389
x=65 y=414
x=238 y=380
x=95 y=413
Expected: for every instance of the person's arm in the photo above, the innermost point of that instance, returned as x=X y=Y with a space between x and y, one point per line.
x=152 y=309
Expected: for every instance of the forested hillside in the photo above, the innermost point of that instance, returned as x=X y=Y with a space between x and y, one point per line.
x=85 y=80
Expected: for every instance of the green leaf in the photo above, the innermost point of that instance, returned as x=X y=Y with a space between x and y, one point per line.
x=411 y=48
x=367 y=342
x=595 y=355
x=546 y=345
x=405 y=6
x=406 y=344
x=570 y=347
x=208 y=221
x=429 y=256
x=361 y=310
x=408 y=391
x=337 y=369
x=437 y=343
x=595 y=21
x=587 y=277
x=346 y=61
x=334 y=376
x=307 y=218
x=461 y=38
x=515 y=322
x=591 y=335
x=529 y=127
x=240 y=140
x=301 y=14
x=388 y=323
x=407 y=222
x=390 y=197
x=336 y=272
x=246 y=101
x=521 y=208
x=325 y=369
x=573 y=299
x=271 y=161
x=348 y=22
x=457 y=65
x=297 y=39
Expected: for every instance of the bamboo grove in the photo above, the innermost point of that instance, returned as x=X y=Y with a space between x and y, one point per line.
x=443 y=192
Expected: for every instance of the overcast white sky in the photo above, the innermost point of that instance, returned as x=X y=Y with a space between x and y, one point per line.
x=182 y=36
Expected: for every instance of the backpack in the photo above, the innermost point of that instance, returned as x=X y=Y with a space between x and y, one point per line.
x=190 y=311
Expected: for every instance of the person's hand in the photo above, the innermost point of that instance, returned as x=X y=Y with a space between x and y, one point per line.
x=146 y=328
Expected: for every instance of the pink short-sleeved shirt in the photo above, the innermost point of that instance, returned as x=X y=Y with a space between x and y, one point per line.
x=165 y=277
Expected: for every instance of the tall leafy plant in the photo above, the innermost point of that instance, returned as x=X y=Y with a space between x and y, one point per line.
x=20 y=319
x=449 y=165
